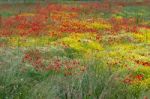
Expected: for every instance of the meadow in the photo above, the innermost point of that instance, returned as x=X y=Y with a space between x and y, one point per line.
x=75 y=50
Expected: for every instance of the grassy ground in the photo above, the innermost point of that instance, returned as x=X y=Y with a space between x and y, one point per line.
x=75 y=50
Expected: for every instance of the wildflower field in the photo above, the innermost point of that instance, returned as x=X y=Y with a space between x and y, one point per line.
x=73 y=49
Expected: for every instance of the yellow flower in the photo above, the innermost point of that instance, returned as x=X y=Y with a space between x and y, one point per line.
x=98 y=25
x=27 y=14
x=81 y=42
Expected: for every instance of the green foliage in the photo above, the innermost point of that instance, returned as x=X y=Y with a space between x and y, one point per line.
x=6 y=14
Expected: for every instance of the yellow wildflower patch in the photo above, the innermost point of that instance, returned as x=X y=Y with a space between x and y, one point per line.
x=27 y=14
x=98 y=25
x=29 y=41
x=81 y=43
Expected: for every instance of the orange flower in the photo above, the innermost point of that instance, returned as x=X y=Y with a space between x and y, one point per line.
x=139 y=77
x=145 y=97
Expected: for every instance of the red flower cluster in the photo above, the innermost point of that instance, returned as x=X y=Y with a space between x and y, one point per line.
x=66 y=67
x=128 y=25
x=143 y=63
x=34 y=57
x=64 y=19
x=75 y=27
x=129 y=79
